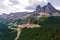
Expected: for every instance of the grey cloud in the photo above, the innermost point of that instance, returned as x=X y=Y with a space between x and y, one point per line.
x=36 y=2
x=14 y=2
x=55 y=2
x=30 y=7
x=33 y=7
x=1 y=1
x=2 y=6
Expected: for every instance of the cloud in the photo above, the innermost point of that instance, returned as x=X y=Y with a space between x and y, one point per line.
x=14 y=2
x=24 y=2
x=57 y=7
x=38 y=1
x=34 y=3
x=30 y=7
x=8 y=6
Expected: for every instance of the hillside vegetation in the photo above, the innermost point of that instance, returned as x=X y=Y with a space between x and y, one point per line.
x=49 y=30
x=6 y=33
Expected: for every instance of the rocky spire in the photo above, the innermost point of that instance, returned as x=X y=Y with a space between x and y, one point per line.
x=38 y=8
x=48 y=8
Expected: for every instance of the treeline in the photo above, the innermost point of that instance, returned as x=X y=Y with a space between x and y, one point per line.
x=49 y=30
x=46 y=20
x=6 y=33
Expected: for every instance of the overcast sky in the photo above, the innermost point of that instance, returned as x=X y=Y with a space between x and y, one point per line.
x=7 y=6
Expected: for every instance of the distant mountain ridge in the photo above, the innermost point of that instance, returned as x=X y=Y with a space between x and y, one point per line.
x=49 y=9
x=14 y=15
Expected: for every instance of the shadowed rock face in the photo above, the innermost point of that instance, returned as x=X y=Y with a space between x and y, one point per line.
x=38 y=8
x=47 y=9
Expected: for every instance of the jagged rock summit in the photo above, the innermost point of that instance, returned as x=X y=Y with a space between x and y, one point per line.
x=48 y=9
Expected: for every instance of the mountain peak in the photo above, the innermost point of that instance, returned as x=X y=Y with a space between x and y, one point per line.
x=47 y=9
x=48 y=3
x=38 y=8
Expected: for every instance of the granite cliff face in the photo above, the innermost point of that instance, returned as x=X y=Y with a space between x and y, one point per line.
x=48 y=9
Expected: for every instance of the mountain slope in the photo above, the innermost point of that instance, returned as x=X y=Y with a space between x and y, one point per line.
x=47 y=10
